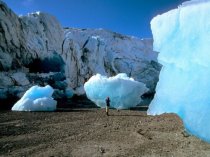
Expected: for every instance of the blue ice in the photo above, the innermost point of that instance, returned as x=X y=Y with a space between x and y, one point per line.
x=182 y=36
x=124 y=92
x=36 y=99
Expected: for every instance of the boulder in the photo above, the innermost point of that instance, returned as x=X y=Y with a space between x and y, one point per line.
x=20 y=79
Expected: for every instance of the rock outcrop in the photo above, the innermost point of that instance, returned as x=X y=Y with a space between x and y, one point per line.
x=35 y=47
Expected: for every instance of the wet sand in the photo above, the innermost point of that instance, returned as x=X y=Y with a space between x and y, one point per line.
x=89 y=133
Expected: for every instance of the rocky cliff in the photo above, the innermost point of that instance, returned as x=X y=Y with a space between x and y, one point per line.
x=35 y=49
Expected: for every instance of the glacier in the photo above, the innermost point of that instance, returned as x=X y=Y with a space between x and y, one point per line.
x=124 y=92
x=182 y=38
x=36 y=99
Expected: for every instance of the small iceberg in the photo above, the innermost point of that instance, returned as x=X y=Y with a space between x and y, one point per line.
x=124 y=92
x=36 y=99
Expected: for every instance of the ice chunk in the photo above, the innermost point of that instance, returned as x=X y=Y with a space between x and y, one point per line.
x=36 y=99
x=182 y=38
x=193 y=2
x=69 y=93
x=124 y=92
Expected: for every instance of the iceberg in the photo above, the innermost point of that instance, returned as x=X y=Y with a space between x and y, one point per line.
x=36 y=99
x=124 y=92
x=182 y=38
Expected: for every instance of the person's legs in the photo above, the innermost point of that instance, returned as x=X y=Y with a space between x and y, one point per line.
x=107 y=110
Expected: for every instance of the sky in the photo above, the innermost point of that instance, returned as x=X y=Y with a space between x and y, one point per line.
x=128 y=17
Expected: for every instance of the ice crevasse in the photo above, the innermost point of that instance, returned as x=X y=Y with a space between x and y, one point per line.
x=182 y=36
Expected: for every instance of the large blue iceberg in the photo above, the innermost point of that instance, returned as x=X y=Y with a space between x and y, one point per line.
x=36 y=99
x=124 y=92
x=182 y=36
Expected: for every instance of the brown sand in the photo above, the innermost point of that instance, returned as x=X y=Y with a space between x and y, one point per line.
x=89 y=132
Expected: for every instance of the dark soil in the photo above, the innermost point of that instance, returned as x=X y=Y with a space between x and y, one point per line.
x=89 y=132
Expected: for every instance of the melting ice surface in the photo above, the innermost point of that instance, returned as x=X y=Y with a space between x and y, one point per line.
x=36 y=99
x=124 y=92
x=182 y=36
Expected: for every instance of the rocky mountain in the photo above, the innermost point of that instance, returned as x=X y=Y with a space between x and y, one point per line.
x=35 y=49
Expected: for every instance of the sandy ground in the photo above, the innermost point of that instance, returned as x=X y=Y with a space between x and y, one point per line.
x=89 y=133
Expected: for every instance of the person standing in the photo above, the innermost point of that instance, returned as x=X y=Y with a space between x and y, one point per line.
x=107 y=105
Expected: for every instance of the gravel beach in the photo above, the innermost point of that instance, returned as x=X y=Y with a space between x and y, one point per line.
x=89 y=132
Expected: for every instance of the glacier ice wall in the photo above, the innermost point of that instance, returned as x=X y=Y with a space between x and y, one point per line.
x=36 y=99
x=124 y=92
x=182 y=36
